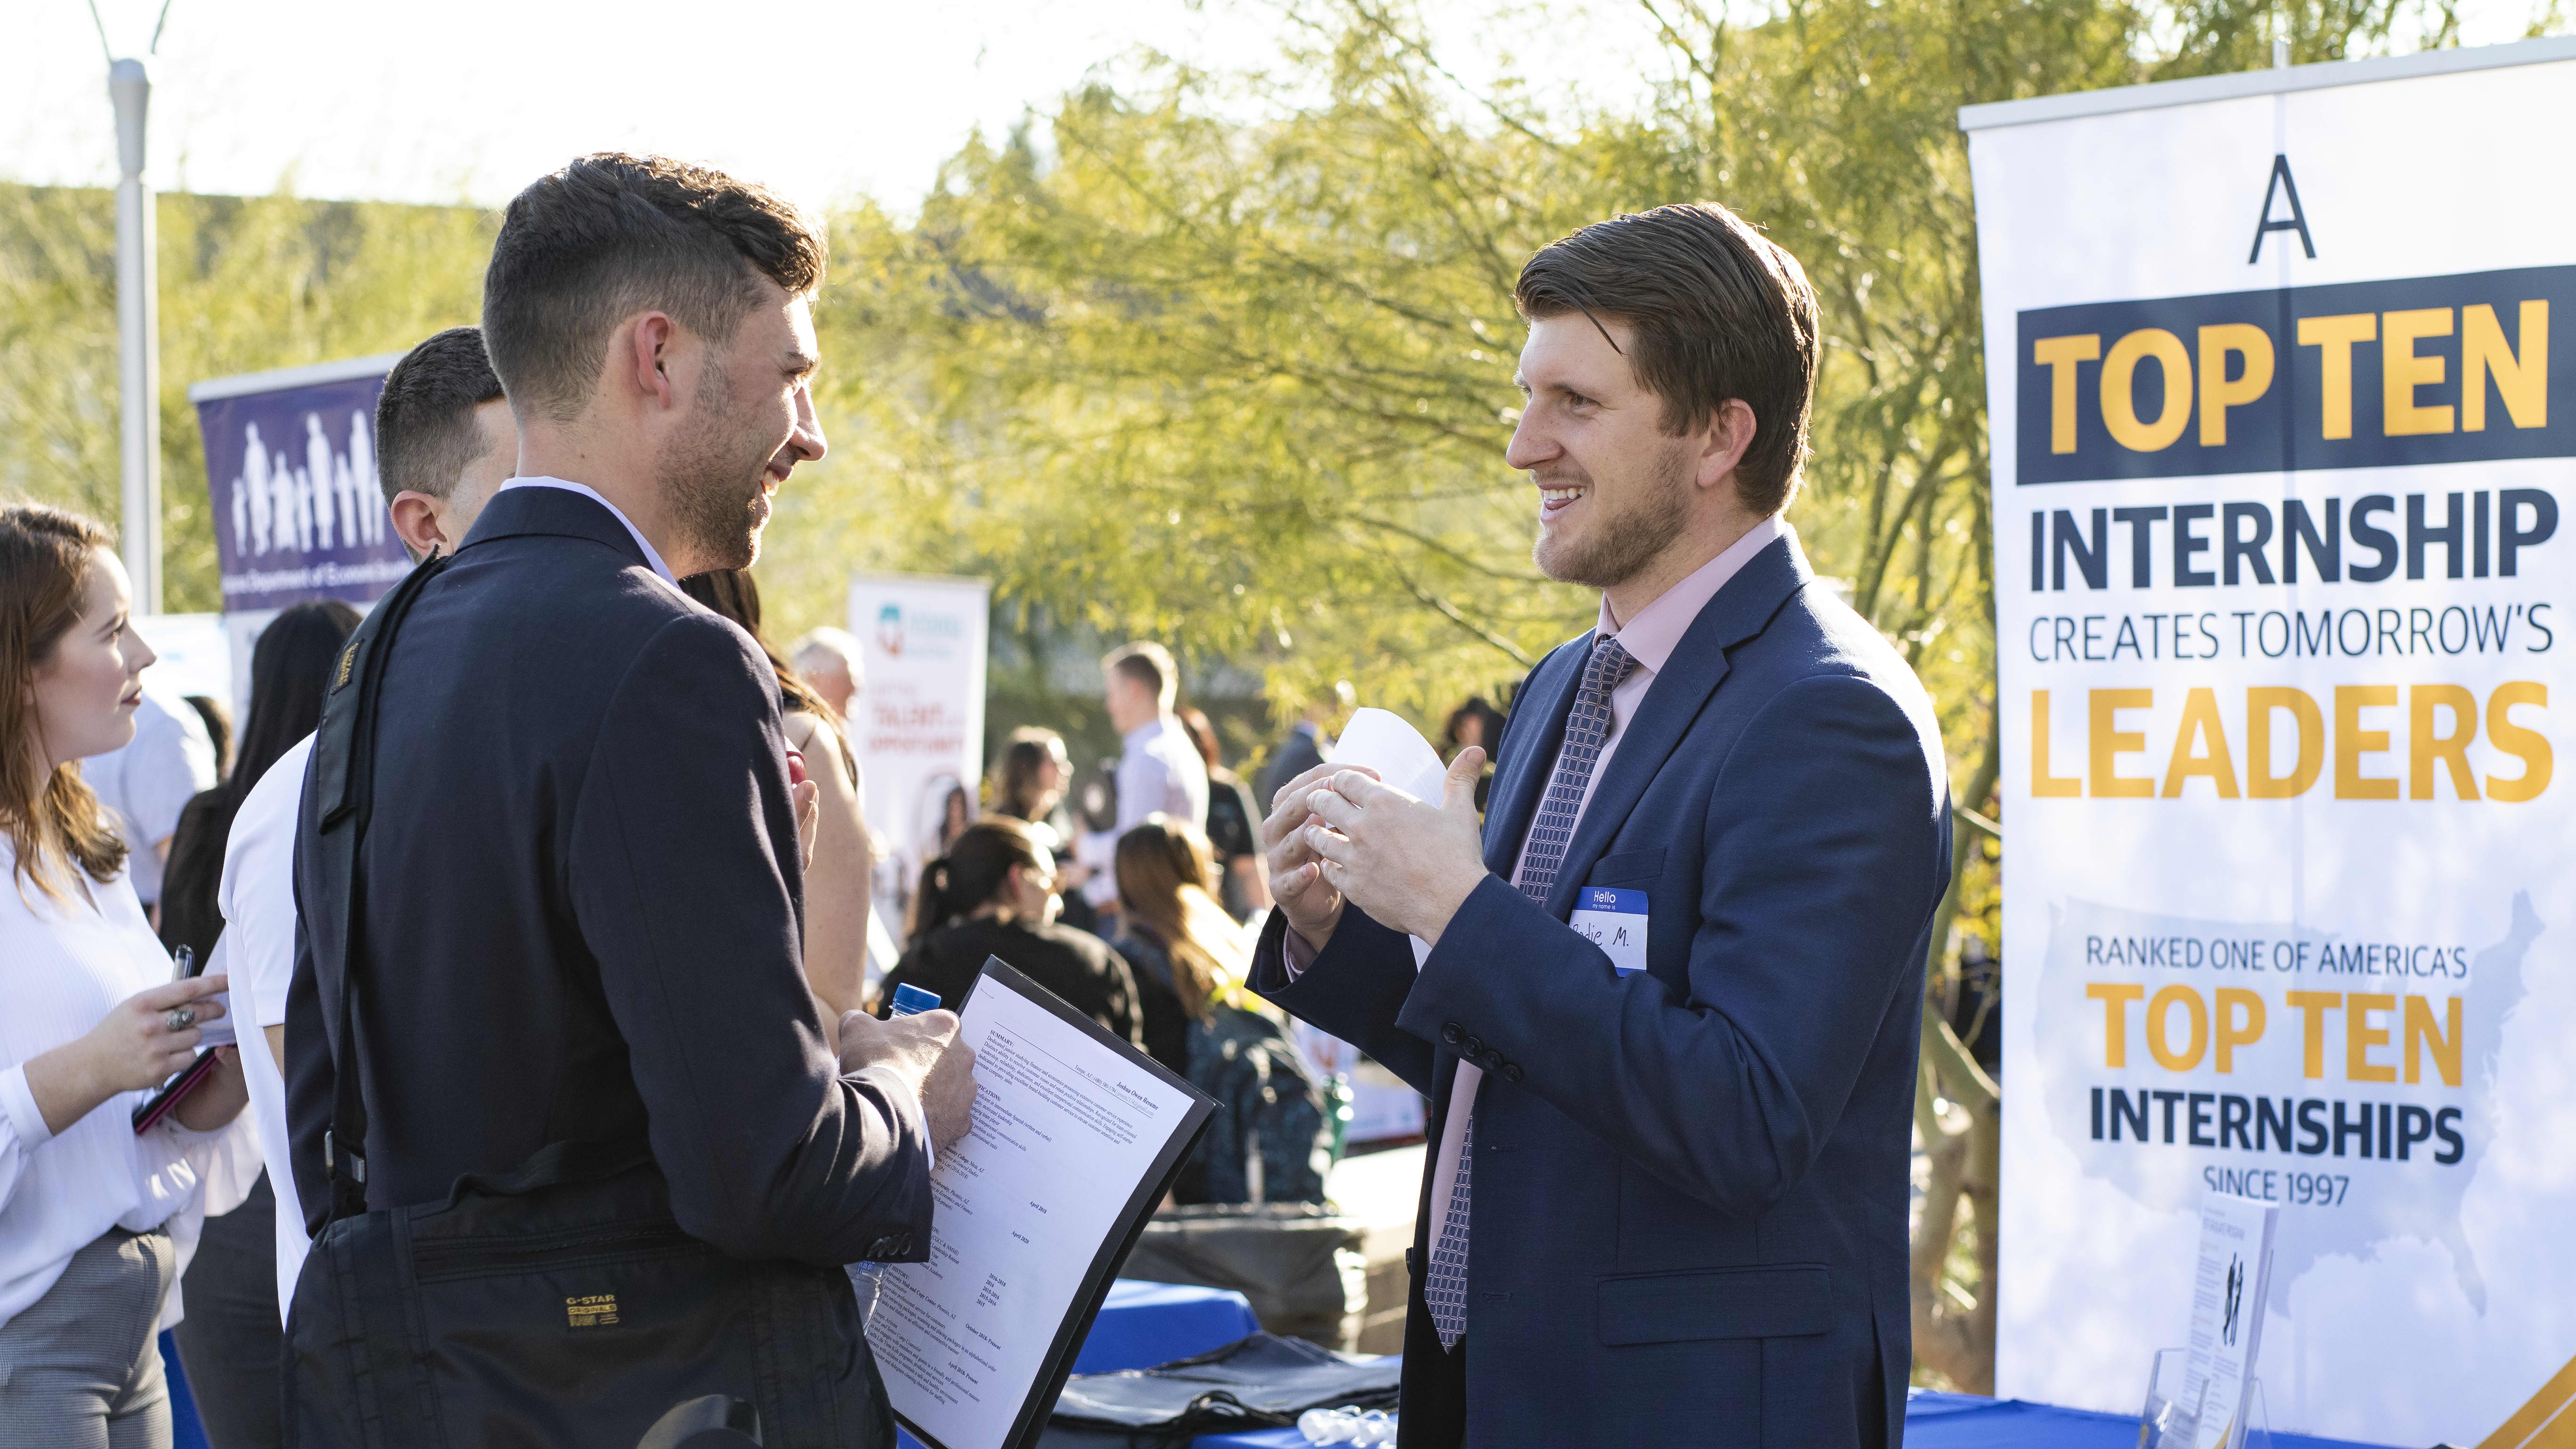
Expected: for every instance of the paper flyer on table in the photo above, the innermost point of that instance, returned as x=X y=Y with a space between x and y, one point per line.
x=1077 y=1136
x=2226 y=1321
x=1383 y=742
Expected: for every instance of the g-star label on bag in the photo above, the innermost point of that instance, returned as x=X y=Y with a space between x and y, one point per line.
x=591 y=1310
x=1615 y=921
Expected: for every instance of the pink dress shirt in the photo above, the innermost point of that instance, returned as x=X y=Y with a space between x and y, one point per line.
x=1650 y=639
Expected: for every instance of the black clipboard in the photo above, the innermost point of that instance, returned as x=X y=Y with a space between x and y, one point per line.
x=1057 y=1365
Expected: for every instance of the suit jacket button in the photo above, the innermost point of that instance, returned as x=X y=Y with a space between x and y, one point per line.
x=1473 y=1050
x=1511 y=1071
x=1451 y=1032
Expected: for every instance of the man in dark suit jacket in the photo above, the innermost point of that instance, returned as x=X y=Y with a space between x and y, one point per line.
x=1668 y=1022
x=580 y=903
x=1302 y=749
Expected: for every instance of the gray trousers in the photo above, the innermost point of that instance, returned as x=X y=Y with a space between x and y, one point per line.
x=81 y=1368
x=229 y=1341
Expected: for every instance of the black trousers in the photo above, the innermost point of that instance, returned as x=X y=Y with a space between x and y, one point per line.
x=230 y=1339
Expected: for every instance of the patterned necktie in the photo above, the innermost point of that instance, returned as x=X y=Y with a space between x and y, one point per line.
x=1587 y=725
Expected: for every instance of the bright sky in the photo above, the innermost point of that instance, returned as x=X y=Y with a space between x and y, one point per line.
x=825 y=99
x=471 y=98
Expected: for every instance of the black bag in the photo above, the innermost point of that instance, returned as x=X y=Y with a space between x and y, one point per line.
x=1254 y=1383
x=1270 y=1140
x=555 y=1304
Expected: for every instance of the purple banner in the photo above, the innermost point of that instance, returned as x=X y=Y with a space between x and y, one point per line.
x=297 y=508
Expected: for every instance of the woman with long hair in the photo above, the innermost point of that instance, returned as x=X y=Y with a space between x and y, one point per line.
x=837 y=884
x=994 y=894
x=96 y=1219
x=1030 y=775
x=1270 y=1139
x=1189 y=955
x=1028 y=782
x=290 y=671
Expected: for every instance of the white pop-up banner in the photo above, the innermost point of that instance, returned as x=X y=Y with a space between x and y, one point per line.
x=918 y=725
x=2283 y=400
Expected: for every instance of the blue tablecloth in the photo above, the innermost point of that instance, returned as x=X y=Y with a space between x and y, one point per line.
x=1143 y=1324
x=1932 y=1421
x=1963 y=1421
x=185 y=1431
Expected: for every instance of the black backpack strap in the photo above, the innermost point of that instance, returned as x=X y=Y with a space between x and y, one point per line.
x=343 y=777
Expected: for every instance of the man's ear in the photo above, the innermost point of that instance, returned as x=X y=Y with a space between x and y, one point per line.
x=1725 y=441
x=416 y=523
x=649 y=347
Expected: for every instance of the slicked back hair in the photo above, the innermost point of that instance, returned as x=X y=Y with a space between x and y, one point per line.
x=1718 y=311
x=425 y=432
x=611 y=235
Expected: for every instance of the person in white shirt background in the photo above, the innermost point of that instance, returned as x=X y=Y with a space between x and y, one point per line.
x=229 y=1343
x=1159 y=770
x=96 y=1219
x=828 y=659
x=445 y=442
x=148 y=782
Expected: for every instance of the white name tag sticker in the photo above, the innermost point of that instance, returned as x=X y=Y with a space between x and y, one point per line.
x=1615 y=921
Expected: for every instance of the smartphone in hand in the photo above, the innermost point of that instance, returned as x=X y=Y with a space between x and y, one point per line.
x=184 y=965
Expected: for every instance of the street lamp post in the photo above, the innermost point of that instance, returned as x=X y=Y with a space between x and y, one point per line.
x=138 y=328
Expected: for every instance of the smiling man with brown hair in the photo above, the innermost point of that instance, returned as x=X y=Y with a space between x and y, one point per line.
x=1668 y=1020
x=575 y=907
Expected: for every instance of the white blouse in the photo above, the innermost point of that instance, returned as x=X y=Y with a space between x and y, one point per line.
x=62 y=967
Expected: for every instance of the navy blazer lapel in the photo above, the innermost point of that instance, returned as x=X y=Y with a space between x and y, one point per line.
x=1740 y=610
x=1520 y=777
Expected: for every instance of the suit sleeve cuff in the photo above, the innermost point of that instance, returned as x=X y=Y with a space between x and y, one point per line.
x=18 y=1103
x=1456 y=982
x=912 y=1118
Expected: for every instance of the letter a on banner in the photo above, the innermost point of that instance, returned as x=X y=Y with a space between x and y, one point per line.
x=2296 y=221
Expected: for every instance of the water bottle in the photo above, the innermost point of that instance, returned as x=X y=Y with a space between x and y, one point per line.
x=867 y=1279
x=1347 y=1425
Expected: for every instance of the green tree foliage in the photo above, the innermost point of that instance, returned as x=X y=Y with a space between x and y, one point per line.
x=247 y=284
x=1226 y=360
x=1246 y=385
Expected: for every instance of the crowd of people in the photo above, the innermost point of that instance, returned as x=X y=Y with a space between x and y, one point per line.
x=1142 y=915
x=542 y=901
x=156 y=832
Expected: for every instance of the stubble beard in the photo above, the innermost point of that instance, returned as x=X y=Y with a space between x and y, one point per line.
x=711 y=482
x=1619 y=545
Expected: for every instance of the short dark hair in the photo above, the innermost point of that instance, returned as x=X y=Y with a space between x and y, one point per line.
x=1149 y=664
x=425 y=433
x=611 y=235
x=1718 y=311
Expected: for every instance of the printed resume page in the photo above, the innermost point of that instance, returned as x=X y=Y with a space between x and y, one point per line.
x=1070 y=1127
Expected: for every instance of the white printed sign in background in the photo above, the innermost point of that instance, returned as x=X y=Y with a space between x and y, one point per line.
x=918 y=725
x=2283 y=410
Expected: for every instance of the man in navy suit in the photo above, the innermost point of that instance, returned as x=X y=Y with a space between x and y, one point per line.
x=1668 y=1020
x=580 y=911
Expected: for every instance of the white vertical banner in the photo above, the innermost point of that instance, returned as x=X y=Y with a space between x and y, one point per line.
x=920 y=726
x=2282 y=390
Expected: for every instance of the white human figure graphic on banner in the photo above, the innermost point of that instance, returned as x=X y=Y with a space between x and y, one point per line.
x=362 y=476
x=294 y=524
x=241 y=517
x=317 y=467
x=344 y=492
x=253 y=485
